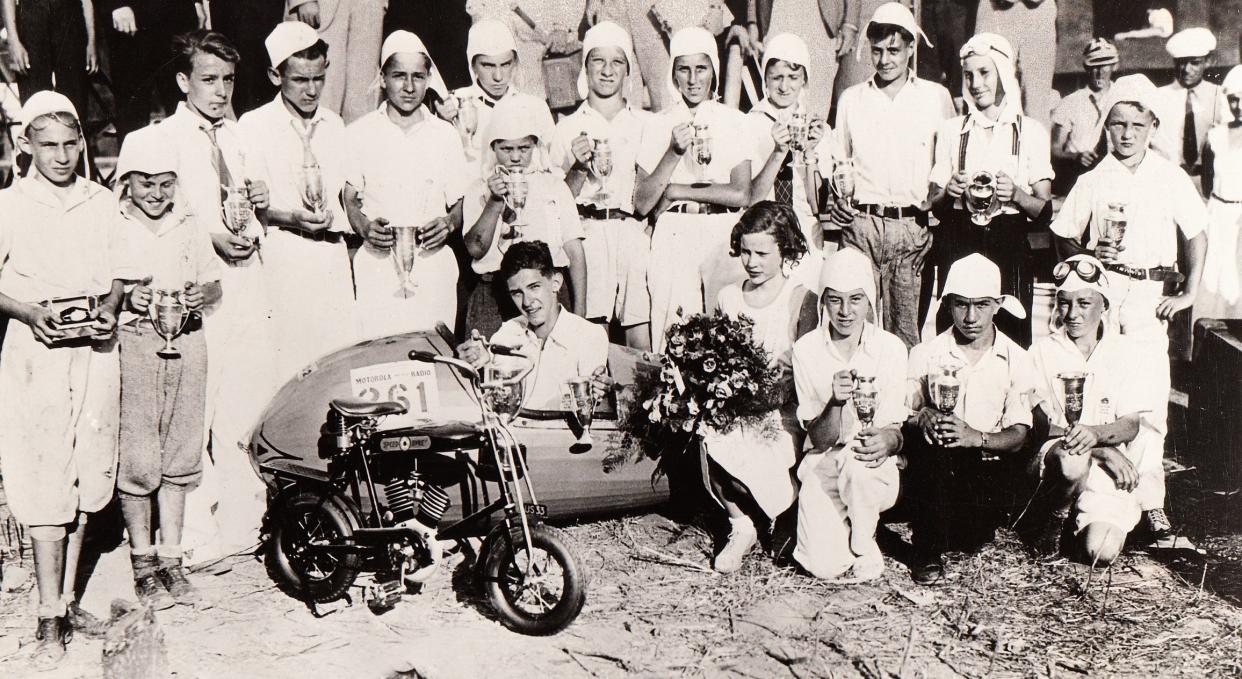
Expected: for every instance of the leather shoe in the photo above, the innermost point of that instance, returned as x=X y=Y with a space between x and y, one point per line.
x=928 y=570
x=82 y=621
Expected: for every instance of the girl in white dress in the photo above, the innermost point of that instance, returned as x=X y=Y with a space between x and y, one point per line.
x=1220 y=293
x=744 y=469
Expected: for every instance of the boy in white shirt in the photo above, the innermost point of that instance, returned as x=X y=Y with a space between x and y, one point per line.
x=58 y=389
x=615 y=243
x=1087 y=462
x=850 y=476
x=162 y=396
x=561 y=344
x=406 y=168
x=967 y=467
x=1157 y=200
x=299 y=141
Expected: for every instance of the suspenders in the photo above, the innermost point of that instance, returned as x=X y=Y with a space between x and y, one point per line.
x=964 y=140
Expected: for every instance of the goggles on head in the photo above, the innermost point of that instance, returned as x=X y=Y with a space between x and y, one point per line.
x=1087 y=270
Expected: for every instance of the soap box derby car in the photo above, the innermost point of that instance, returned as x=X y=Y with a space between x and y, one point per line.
x=289 y=444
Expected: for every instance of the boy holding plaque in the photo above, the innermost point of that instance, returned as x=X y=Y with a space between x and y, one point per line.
x=163 y=391
x=59 y=377
x=1089 y=400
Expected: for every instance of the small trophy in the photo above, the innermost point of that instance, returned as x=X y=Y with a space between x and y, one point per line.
x=506 y=399
x=946 y=389
x=1073 y=384
x=865 y=395
x=519 y=189
x=1115 y=223
x=312 y=188
x=981 y=197
x=701 y=148
x=601 y=165
x=467 y=117
x=237 y=210
x=406 y=243
x=798 y=127
x=169 y=316
x=842 y=180
x=583 y=406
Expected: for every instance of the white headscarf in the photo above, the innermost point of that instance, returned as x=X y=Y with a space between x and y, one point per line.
x=1134 y=88
x=606 y=34
x=1233 y=81
x=789 y=48
x=488 y=37
x=44 y=102
x=1004 y=57
x=975 y=276
x=897 y=14
x=1073 y=283
x=147 y=151
x=688 y=42
x=403 y=42
x=845 y=270
x=516 y=116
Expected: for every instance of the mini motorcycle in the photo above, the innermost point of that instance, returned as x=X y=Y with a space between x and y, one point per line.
x=379 y=506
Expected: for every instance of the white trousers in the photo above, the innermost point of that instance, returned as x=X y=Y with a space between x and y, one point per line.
x=616 y=252
x=689 y=265
x=1150 y=335
x=385 y=308
x=314 y=288
x=839 y=507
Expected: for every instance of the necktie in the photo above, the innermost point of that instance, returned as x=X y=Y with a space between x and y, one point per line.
x=217 y=158
x=783 y=187
x=1190 y=140
x=306 y=134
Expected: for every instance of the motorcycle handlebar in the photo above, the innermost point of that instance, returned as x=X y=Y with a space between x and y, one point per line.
x=472 y=372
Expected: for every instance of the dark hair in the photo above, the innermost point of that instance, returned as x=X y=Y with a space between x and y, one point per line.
x=790 y=64
x=880 y=32
x=528 y=254
x=186 y=45
x=316 y=51
x=775 y=219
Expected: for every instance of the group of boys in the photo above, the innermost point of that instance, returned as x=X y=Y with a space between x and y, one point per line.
x=246 y=222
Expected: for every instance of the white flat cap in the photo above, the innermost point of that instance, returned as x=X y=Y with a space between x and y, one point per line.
x=147 y=151
x=975 y=276
x=287 y=39
x=43 y=103
x=1192 y=42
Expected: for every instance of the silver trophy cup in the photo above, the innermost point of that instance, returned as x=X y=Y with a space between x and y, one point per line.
x=981 y=197
x=169 y=316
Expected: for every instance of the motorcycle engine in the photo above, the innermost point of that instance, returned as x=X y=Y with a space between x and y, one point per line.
x=412 y=498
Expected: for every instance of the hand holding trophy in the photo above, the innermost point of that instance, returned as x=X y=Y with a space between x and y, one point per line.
x=866 y=395
x=169 y=316
x=583 y=395
x=842 y=181
x=980 y=197
x=601 y=166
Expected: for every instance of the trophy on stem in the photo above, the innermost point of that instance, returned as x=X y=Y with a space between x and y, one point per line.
x=981 y=197
x=866 y=393
x=701 y=149
x=505 y=392
x=407 y=241
x=1115 y=223
x=169 y=316
x=237 y=210
x=1073 y=385
x=842 y=180
x=583 y=406
x=519 y=189
x=946 y=389
x=798 y=126
x=601 y=166
x=312 y=188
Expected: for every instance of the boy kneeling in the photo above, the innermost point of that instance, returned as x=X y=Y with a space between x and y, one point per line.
x=1088 y=368
x=162 y=394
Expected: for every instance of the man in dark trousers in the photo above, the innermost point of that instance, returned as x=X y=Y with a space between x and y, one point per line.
x=139 y=34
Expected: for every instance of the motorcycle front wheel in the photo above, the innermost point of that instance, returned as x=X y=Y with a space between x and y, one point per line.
x=318 y=576
x=544 y=600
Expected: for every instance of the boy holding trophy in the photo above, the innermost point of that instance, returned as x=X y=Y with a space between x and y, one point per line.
x=59 y=377
x=163 y=388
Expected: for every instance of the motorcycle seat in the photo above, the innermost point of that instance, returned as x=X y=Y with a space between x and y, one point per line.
x=352 y=407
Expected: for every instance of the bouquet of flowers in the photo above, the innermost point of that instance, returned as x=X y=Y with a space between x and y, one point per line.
x=713 y=378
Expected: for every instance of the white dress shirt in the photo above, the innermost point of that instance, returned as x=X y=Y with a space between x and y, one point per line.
x=990 y=148
x=624 y=134
x=727 y=127
x=996 y=389
x=576 y=347
x=880 y=354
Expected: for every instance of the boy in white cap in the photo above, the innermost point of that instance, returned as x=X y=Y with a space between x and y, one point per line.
x=214 y=160
x=1193 y=104
x=615 y=245
x=405 y=168
x=1077 y=117
x=1157 y=200
x=352 y=30
x=694 y=178
x=887 y=126
x=302 y=147
x=58 y=389
x=850 y=475
x=967 y=467
x=163 y=396
x=517 y=143
x=1087 y=463
x=780 y=173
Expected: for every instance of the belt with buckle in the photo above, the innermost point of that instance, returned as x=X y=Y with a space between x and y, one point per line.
x=694 y=208
x=603 y=213
x=892 y=211
x=324 y=236
x=1218 y=199
x=1159 y=273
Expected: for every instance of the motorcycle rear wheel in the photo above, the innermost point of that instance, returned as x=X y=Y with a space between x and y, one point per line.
x=315 y=576
x=547 y=601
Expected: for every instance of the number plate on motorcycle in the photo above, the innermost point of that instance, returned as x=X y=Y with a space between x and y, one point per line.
x=403 y=443
x=540 y=511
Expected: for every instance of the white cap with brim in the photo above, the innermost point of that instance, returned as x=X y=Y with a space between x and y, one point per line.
x=688 y=42
x=846 y=270
x=1191 y=43
x=974 y=277
x=287 y=39
x=1135 y=88
x=148 y=151
x=488 y=37
x=405 y=42
x=605 y=34
x=897 y=14
x=43 y=103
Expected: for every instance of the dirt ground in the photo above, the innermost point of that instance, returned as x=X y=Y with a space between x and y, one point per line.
x=655 y=609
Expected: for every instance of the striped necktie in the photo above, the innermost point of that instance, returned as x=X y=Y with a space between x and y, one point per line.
x=217 y=157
